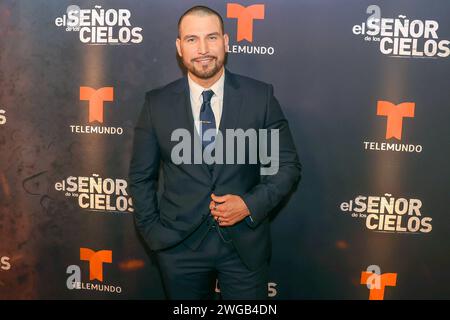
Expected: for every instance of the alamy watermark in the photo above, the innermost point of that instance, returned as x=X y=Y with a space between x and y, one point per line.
x=259 y=143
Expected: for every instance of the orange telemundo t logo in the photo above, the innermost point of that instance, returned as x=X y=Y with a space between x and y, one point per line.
x=376 y=282
x=395 y=115
x=245 y=17
x=96 y=99
x=96 y=260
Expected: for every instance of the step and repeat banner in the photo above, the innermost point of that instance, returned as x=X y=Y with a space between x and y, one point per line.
x=365 y=86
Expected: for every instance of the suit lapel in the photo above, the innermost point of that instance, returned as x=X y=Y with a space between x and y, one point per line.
x=185 y=100
x=232 y=100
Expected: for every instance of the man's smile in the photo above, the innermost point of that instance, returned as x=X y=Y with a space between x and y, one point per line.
x=204 y=60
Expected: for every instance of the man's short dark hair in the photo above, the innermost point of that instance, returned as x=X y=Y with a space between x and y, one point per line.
x=201 y=11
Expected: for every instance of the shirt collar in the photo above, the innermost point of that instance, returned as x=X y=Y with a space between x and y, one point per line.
x=196 y=89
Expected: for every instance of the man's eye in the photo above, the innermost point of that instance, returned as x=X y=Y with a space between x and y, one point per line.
x=190 y=40
x=213 y=37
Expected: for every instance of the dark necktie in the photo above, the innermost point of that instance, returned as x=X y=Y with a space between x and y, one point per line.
x=207 y=120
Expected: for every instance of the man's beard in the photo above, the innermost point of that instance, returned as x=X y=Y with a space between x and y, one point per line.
x=205 y=73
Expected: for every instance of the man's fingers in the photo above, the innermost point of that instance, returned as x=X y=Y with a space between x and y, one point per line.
x=220 y=198
x=221 y=207
x=218 y=207
x=219 y=214
x=222 y=216
x=226 y=223
x=222 y=222
x=216 y=214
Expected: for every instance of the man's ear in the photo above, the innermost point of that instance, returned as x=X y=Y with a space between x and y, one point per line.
x=177 y=43
x=226 y=40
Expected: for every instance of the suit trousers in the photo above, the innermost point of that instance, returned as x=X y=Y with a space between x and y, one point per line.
x=190 y=272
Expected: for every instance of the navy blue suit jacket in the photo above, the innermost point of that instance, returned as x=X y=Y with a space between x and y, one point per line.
x=185 y=198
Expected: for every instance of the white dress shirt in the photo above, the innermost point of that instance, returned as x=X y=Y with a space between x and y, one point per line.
x=216 y=100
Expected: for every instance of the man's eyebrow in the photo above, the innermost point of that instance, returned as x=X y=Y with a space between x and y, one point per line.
x=189 y=36
x=194 y=36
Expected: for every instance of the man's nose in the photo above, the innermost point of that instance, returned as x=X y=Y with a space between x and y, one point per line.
x=203 y=47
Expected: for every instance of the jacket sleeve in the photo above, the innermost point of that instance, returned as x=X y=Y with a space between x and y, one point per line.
x=143 y=174
x=266 y=195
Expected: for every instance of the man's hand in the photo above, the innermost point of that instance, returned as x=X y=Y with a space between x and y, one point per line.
x=228 y=209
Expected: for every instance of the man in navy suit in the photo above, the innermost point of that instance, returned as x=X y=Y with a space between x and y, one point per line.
x=211 y=221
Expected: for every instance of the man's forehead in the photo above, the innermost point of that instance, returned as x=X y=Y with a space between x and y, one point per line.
x=200 y=24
